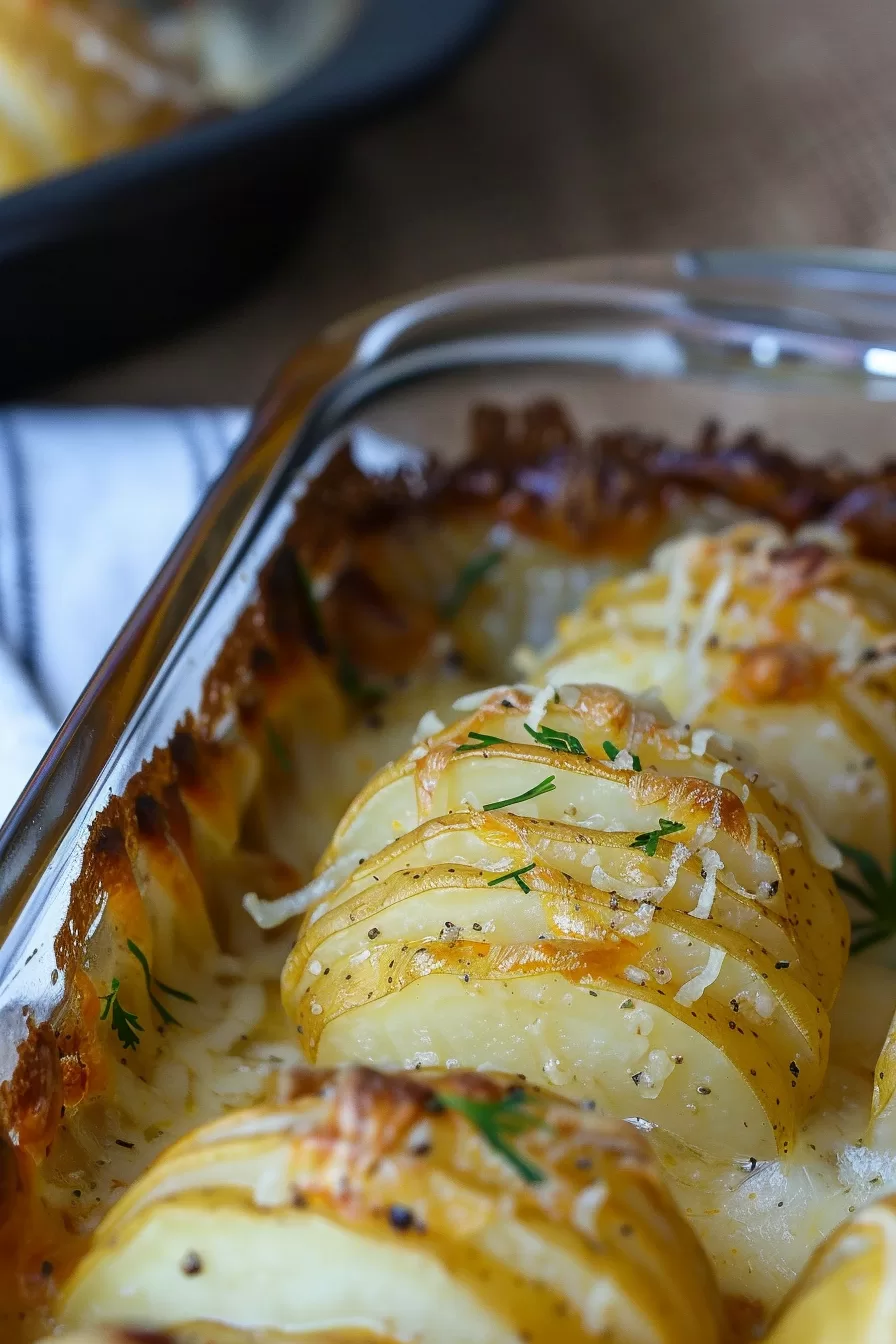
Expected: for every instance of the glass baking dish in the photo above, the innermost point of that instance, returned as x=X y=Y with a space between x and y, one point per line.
x=802 y=345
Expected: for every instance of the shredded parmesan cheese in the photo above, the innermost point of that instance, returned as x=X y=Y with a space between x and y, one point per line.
x=712 y=864
x=769 y=827
x=700 y=740
x=539 y=706
x=694 y=988
x=271 y=914
x=716 y=597
x=675 y=561
x=587 y=1205
x=637 y=924
x=429 y=725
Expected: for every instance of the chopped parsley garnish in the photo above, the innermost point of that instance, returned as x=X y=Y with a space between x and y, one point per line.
x=546 y=786
x=472 y=574
x=517 y=876
x=168 y=1018
x=481 y=740
x=278 y=748
x=499 y=1122
x=613 y=751
x=557 y=741
x=876 y=893
x=649 y=840
x=124 y=1024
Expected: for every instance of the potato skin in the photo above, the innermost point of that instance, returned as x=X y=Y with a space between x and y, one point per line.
x=722 y=930
x=522 y=1209
x=784 y=644
x=846 y=1290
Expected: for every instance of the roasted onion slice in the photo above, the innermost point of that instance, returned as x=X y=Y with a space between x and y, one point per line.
x=618 y=913
x=458 y=1208
x=846 y=1292
x=790 y=647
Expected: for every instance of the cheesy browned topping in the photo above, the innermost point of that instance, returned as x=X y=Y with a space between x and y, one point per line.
x=460 y=1206
x=563 y=883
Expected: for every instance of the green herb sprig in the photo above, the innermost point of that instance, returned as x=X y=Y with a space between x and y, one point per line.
x=546 y=786
x=168 y=1018
x=650 y=839
x=124 y=1024
x=499 y=1122
x=517 y=876
x=876 y=894
x=481 y=740
x=472 y=574
x=613 y=751
x=557 y=741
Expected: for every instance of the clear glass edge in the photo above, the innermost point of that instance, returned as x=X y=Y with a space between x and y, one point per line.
x=706 y=298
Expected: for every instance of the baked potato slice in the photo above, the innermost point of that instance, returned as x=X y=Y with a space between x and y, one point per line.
x=788 y=646
x=562 y=859
x=451 y=1207
x=846 y=1290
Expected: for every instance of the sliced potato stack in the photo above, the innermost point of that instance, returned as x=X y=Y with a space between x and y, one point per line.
x=848 y=1289
x=459 y=1208
x=78 y=79
x=790 y=647
x=561 y=887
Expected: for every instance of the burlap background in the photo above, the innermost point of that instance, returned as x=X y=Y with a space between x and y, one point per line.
x=582 y=125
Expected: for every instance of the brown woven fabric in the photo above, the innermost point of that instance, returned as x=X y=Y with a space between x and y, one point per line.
x=584 y=126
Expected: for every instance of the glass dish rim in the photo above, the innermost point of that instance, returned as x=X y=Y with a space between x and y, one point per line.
x=710 y=296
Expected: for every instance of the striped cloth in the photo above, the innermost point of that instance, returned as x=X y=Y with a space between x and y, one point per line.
x=90 y=502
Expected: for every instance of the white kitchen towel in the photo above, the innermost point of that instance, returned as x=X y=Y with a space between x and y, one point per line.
x=90 y=503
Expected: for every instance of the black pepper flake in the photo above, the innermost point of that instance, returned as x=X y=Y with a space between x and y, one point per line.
x=753 y=1163
x=46 y=1268
x=782 y=965
x=123 y=1143
x=191 y=1263
x=794 y=1069
x=704 y=1091
x=373 y=933
x=477 y=928
x=401 y=1217
x=636 y=1077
